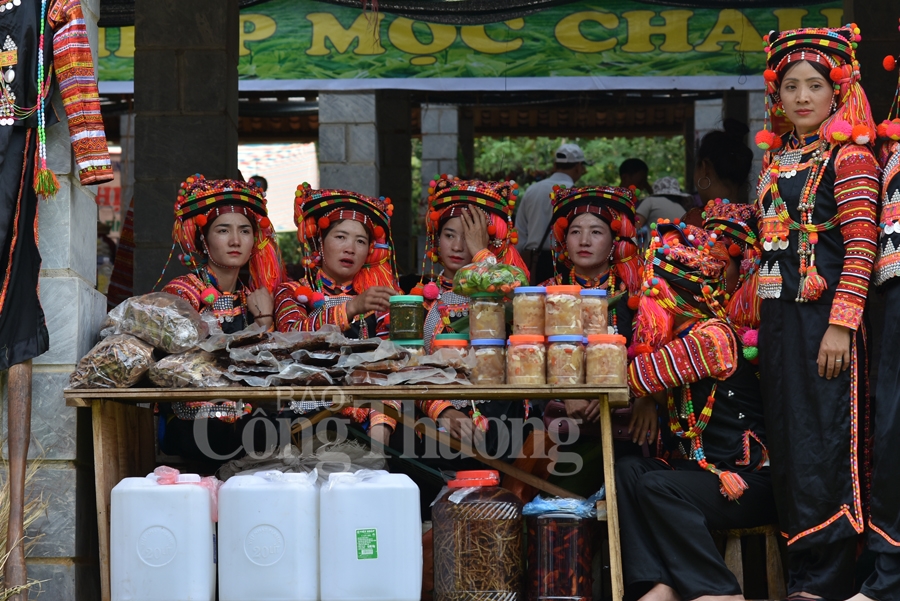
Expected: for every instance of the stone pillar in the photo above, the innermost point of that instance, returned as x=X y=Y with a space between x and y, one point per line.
x=364 y=146
x=185 y=96
x=65 y=556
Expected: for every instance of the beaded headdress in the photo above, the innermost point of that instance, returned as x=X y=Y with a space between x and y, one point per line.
x=679 y=280
x=200 y=201
x=890 y=127
x=448 y=196
x=613 y=205
x=317 y=210
x=835 y=49
x=738 y=238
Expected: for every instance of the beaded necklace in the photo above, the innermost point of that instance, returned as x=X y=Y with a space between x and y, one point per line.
x=786 y=165
x=224 y=306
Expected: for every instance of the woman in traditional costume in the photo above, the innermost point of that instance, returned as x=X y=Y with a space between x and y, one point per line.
x=221 y=227
x=817 y=195
x=593 y=247
x=351 y=274
x=693 y=361
x=883 y=532
x=468 y=222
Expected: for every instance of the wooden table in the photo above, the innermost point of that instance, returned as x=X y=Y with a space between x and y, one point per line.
x=124 y=437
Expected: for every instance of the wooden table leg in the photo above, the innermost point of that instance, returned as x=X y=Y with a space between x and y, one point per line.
x=106 y=453
x=19 y=418
x=612 y=506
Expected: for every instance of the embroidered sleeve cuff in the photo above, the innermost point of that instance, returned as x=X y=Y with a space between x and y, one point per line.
x=376 y=418
x=845 y=314
x=482 y=255
x=433 y=409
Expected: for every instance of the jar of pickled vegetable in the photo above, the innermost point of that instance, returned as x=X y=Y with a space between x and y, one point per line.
x=528 y=310
x=606 y=360
x=562 y=313
x=478 y=540
x=407 y=317
x=455 y=349
x=416 y=348
x=487 y=316
x=526 y=360
x=594 y=311
x=490 y=361
x=565 y=360
x=560 y=548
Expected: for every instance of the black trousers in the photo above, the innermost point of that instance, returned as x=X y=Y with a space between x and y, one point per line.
x=824 y=570
x=884 y=584
x=665 y=515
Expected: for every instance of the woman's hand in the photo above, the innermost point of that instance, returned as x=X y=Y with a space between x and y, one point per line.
x=475 y=234
x=587 y=411
x=371 y=299
x=834 y=351
x=644 y=419
x=460 y=426
x=260 y=302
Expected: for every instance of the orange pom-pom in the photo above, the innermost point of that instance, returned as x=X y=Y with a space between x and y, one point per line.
x=492 y=230
x=889 y=63
x=562 y=222
x=324 y=223
x=434 y=216
x=837 y=74
x=379 y=232
x=735 y=251
x=200 y=220
x=861 y=134
x=770 y=75
x=264 y=222
x=615 y=224
x=634 y=302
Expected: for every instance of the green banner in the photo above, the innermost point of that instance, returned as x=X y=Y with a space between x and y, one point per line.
x=286 y=43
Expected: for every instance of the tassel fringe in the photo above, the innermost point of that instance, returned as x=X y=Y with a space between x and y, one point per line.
x=731 y=485
x=813 y=285
x=45 y=183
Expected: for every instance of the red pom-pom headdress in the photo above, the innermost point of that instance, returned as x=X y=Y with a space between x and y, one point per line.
x=317 y=210
x=200 y=201
x=737 y=227
x=835 y=49
x=448 y=196
x=613 y=205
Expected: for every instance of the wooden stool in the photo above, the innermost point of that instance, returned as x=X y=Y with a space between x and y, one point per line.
x=735 y=561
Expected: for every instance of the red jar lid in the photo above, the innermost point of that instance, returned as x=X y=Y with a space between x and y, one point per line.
x=472 y=478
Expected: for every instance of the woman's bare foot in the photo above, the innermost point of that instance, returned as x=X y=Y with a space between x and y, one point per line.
x=720 y=598
x=861 y=597
x=661 y=592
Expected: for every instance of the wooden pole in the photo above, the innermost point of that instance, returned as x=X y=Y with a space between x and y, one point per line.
x=19 y=421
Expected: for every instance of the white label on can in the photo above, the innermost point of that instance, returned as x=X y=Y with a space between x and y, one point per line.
x=157 y=546
x=264 y=545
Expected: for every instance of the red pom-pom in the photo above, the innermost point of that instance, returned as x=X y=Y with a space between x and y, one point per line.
x=837 y=74
x=770 y=75
x=303 y=294
x=735 y=251
x=310 y=226
x=861 y=134
x=324 y=223
x=643 y=349
x=200 y=220
x=765 y=139
x=893 y=131
x=431 y=291
x=434 y=216
x=562 y=223
x=492 y=230
x=417 y=290
x=889 y=63
x=379 y=232
x=634 y=302
x=615 y=225
x=264 y=222
x=209 y=295
x=317 y=300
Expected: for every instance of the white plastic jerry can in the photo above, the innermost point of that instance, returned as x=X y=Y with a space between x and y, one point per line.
x=370 y=534
x=269 y=537
x=162 y=541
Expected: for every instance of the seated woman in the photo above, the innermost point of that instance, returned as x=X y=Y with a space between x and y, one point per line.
x=592 y=242
x=221 y=227
x=468 y=221
x=349 y=260
x=718 y=477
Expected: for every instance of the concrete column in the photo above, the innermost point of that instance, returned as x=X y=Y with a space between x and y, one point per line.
x=185 y=96
x=65 y=557
x=440 y=142
x=364 y=146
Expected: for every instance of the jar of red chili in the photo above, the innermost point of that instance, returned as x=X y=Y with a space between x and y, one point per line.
x=559 y=557
x=478 y=540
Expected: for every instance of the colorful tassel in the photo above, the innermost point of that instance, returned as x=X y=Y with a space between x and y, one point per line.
x=813 y=285
x=479 y=420
x=731 y=485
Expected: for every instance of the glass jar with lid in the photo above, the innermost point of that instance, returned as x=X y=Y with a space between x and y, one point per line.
x=526 y=360
x=565 y=360
x=490 y=361
x=407 y=317
x=560 y=549
x=416 y=349
x=487 y=316
x=606 y=360
x=528 y=310
x=562 y=313
x=594 y=311
x=478 y=540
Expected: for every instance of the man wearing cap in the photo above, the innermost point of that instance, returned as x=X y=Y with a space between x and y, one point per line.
x=667 y=202
x=535 y=210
